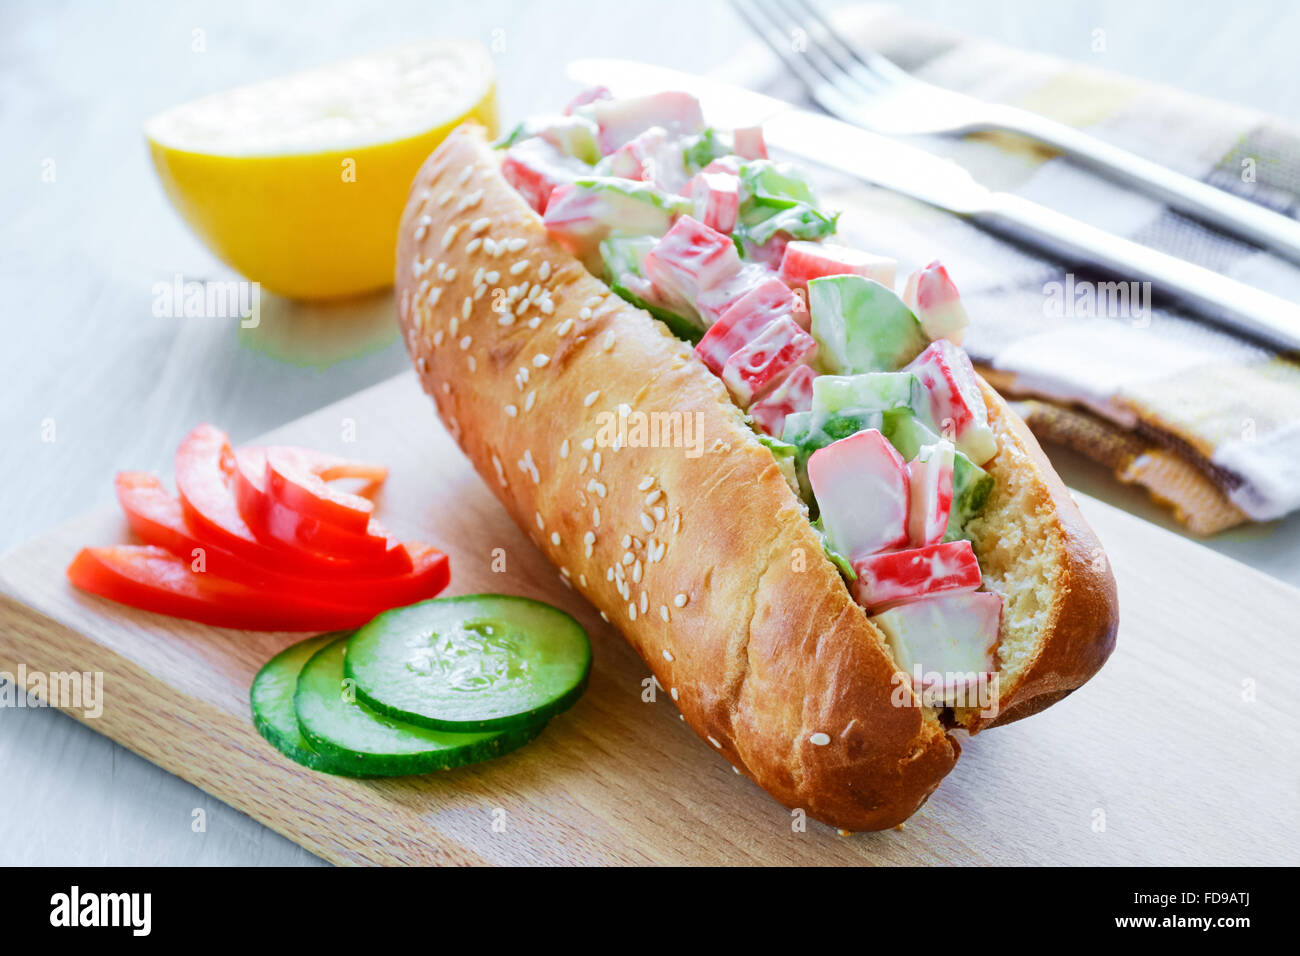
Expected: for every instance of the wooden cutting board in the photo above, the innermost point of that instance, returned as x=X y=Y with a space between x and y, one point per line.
x=1184 y=750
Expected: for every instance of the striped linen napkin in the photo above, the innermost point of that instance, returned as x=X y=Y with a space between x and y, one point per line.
x=1207 y=422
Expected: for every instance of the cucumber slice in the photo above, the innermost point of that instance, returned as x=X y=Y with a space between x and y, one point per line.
x=358 y=742
x=476 y=662
x=271 y=698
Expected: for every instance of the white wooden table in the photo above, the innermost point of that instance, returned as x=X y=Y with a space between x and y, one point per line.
x=79 y=256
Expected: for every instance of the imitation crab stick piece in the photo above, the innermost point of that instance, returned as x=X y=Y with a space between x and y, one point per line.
x=956 y=404
x=889 y=577
x=861 y=486
x=931 y=294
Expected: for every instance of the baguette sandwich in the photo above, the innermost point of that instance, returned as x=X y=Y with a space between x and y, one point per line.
x=834 y=546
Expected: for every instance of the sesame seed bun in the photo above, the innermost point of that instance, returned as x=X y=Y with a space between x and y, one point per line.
x=694 y=546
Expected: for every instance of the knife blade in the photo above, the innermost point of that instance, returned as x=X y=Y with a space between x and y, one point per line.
x=942 y=183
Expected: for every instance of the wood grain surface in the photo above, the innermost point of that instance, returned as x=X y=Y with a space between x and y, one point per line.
x=1183 y=750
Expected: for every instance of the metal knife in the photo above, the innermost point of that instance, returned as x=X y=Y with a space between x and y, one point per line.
x=946 y=185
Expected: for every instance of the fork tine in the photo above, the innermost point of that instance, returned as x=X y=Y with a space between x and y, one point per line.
x=843 y=72
x=881 y=68
x=830 y=85
x=797 y=64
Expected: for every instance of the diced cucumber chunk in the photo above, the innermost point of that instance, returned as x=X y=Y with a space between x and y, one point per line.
x=862 y=326
x=871 y=391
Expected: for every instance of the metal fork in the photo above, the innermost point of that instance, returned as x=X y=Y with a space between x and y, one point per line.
x=865 y=88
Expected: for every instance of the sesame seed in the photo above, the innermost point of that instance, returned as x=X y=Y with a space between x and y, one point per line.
x=535 y=321
x=715 y=743
x=592 y=302
x=544 y=271
x=434 y=295
x=512 y=411
x=663 y=613
x=645 y=601
x=465 y=175
x=528 y=401
x=465 y=343
x=492 y=276
x=604 y=617
x=681 y=600
x=545 y=304
x=421 y=232
x=564 y=448
x=471 y=247
x=653 y=497
x=541 y=525
x=514 y=245
x=555 y=538
x=478 y=225
x=541 y=360
x=472 y=363
x=667 y=655
x=501 y=475
x=584 y=313
x=519 y=267
x=607 y=340
x=565 y=327
x=588 y=444
x=597 y=487
x=582 y=578
x=595 y=516
x=595 y=462
x=446 y=197
x=647 y=522
x=521 y=376
x=609 y=574
x=659 y=513
x=674 y=690
x=480 y=290
x=677 y=522
x=591 y=398
x=631 y=612
x=627 y=541
x=820 y=739
x=582 y=466
x=449 y=236
x=628 y=557
x=646 y=483
x=437 y=338
x=636 y=573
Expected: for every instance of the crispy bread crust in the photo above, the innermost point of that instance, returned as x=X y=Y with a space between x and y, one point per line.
x=1081 y=624
x=725 y=592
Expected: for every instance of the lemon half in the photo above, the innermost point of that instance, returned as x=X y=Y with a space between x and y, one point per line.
x=299 y=182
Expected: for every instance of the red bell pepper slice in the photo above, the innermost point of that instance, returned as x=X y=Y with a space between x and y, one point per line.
x=284 y=528
x=299 y=479
x=157 y=518
x=205 y=470
x=151 y=579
